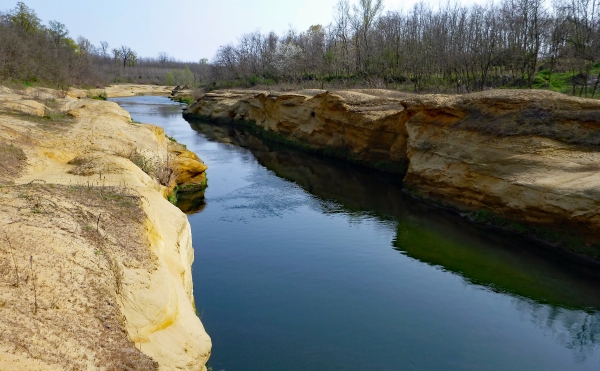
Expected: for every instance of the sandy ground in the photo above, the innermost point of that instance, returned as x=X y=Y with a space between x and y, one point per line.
x=95 y=265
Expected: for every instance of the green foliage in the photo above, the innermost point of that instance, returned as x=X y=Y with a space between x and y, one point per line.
x=172 y=197
x=57 y=31
x=486 y=216
x=182 y=76
x=101 y=96
x=25 y=18
x=563 y=81
x=253 y=80
x=170 y=78
x=187 y=99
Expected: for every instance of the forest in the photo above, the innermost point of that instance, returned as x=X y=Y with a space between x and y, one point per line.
x=34 y=53
x=453 y=48
x=539 y=44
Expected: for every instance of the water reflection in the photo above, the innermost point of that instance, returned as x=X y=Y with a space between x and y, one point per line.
x=146 y=105
x=557 y=293
x=573 y=329
x=293 y=280
x=191 y=202
x=362 y=190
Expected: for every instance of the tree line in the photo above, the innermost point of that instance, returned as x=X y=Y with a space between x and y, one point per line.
x=453 y=48
x=32 y=52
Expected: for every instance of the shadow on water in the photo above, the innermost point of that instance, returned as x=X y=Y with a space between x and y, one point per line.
x=501 y=263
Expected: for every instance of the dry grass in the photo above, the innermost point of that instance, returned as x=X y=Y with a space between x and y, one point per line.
x=12 y=161
x=161 y=168
x=51 y=121
x=60 y=254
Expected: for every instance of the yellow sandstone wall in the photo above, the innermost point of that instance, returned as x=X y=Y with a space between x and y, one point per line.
x=111 y=283
x=526 y=156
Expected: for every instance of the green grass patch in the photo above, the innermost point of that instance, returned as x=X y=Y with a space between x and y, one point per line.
x=101 y=96
x=172 y=197
x=562 y=82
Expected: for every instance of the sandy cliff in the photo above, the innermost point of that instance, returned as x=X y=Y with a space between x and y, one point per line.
x=525 y=156
x=360 y=126
x=119 y=90
x=529 y=156
x=95 y=263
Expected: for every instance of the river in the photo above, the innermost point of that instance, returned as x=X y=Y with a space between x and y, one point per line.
x=304 y=263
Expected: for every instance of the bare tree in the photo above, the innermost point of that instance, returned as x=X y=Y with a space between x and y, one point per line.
x=103 y=50
x=362 y=19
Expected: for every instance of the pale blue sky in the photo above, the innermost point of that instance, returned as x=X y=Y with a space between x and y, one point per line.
x=186 y=29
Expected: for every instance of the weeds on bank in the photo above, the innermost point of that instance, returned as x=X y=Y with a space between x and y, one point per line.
x=184 y=99
x=160 y=168
x=111 y=221
x=175 y=141
x=100 y=96
x=12 y=161
x=141 y=161
x=172 y=196
x=51 y=103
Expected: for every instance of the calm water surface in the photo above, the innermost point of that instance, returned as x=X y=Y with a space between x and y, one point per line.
x=311 y=264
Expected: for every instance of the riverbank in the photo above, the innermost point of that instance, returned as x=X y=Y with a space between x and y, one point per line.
x=522 y=160
x=96 y=263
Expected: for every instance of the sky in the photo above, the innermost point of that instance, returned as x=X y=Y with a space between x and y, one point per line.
x=187 y=30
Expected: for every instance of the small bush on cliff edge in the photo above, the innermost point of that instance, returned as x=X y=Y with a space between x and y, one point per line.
x=142 y=162
x=100 y=96
x=159 y=168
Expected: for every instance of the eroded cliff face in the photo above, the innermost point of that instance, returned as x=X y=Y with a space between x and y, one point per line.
x=96 y=263
x=526 y=156
x=356 y=125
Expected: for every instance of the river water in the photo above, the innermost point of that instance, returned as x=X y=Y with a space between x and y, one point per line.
x=304 y=263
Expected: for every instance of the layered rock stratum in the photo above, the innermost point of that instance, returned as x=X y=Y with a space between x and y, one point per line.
x=528 y=158
x=95 y=264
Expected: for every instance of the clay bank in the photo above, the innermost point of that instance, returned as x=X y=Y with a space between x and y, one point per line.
x=528 y=161
x=95 y=262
